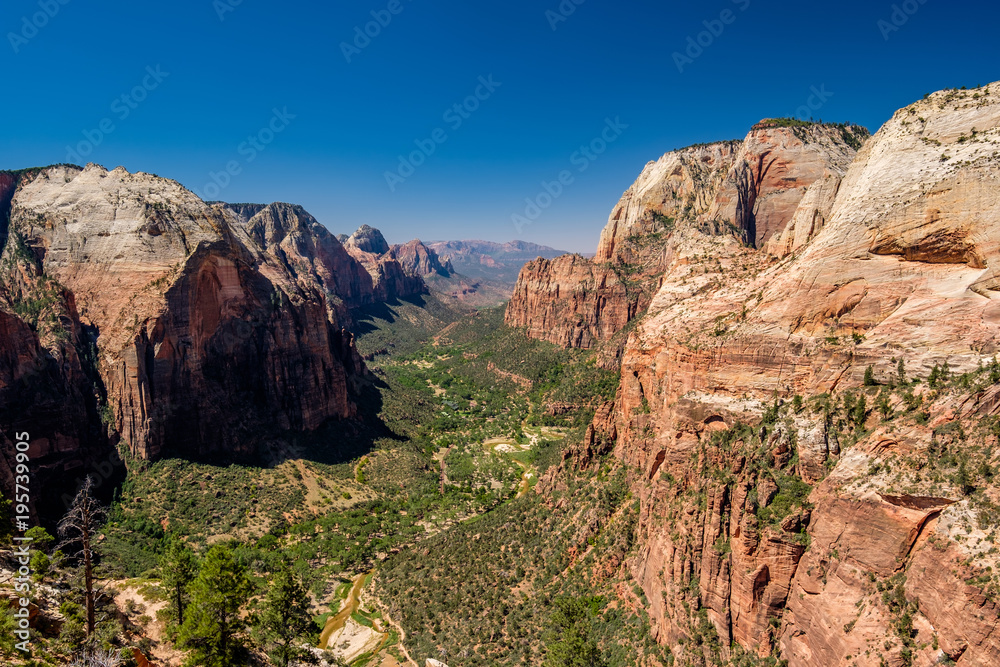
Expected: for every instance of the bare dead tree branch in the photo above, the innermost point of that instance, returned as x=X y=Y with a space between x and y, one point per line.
x=78 y=528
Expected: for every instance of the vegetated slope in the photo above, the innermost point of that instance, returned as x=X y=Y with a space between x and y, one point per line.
x=455 y=424
x=808 y=424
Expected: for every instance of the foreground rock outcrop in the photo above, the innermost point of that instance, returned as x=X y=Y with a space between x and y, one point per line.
x=800 y=495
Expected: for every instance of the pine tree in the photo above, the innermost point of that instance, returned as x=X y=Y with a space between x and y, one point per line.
x=870 y=377
x=573 y=646
x=860 y=412
x=884 y=406
x=212 y=627
x=284 y=619
x=177 y=570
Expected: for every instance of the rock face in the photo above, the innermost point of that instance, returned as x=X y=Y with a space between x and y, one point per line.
x=775 y=168
x=368 y=239
x=751 y=190
x=203 y=329
x=294 y=240
x=838 y=269
x=570 y=301
x=389 y=277
x=419 y=260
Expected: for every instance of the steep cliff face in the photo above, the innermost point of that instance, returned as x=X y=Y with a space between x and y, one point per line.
x=8 y=184
x=390 y=279
x=570 y=301
x=676 y=224
x=419 y=260
x=891 y=279
x=776 y=167
x=207 y=330
x=297 y=244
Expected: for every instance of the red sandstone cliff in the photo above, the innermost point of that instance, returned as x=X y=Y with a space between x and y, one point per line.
x=752 y=190
x=824 y=533
x=369 y=247
x=203 y=330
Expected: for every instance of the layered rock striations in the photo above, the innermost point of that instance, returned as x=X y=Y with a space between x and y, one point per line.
x=195 y=328
x=686 y=213
x=870 y=274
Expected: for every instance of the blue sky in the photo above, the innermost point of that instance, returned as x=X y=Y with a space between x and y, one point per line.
x=265 y=95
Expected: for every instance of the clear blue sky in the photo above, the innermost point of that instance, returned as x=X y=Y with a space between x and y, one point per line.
x=225 y=77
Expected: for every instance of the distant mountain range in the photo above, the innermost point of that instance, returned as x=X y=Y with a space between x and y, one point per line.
x=500 y=262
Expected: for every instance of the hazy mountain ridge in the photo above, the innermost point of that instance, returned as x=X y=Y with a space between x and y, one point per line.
x=500 y=262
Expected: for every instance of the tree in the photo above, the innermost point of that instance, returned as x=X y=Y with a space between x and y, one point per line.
x=6 y=524
x=963 y=480
x=7 y=626
x=212 y=627
x=870 y=377
x=78 y=528
x=40 y=565
x=284 y=619
x=883 y=405
x=573 y=646
x=901 y=371
x=177 y=570
x=860 y=412
x=40 y=538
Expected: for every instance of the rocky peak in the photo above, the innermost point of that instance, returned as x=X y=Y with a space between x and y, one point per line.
x=272 y=223
x=391 y=279
x=245 y=211
x=692 y=204
x=419 y=260
x=680 y=186
x=368 y=239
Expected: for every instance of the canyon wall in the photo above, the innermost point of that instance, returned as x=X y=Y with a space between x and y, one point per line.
x=186 y=328
x=811 y=529
x=749 y=191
